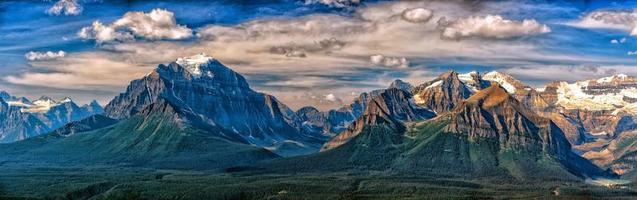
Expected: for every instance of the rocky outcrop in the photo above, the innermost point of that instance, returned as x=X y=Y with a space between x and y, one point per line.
x=442 y=94
x=335 y=121
x=493 y=113
x=400 y=84
x=390 y=108
x=619 y=154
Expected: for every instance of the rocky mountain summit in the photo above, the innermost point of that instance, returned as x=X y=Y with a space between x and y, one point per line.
x=218 y=96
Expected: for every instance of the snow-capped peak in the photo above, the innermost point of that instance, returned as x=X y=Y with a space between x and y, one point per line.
x=193 y=63
x=468 y=80
x=44 y=101
x=66 y=100
x=503 y=79
x=467 y=77
x=43 y=104
x=609 y=79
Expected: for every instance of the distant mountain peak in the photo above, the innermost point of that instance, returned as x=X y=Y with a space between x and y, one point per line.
x=4 y=94
x=215 y=95
x=613 y=78
x=510 y=84
x=43 y=104
x=66 y=100
x=45 y=98
x=94 y=103
x=193 y=63
x=443 y=93
x=400 y=84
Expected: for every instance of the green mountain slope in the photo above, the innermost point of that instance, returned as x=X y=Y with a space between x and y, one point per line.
x=489 y=135
x=156 y=137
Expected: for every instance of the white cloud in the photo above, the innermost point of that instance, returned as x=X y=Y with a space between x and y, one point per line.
x=338 y=65
x=334 y=3
x=610 y=19
x=631 y=53
x=417 y=15
x=39 y=56
x=618 y=41
x=80 y=71
x=66 y=7
x=155 y=25
x=389 y=61
x=491 y=26
x=331 y=97
x=101 y=33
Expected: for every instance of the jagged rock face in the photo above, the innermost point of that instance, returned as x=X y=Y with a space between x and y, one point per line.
x=22 y=119
x=520 y=91
x=335 y=121
x=549 y=94
x=18 y=126
x=63 y=113
x=533 y=100
x=492 y=113
x=390 y=108
x=602 y=107
x=596 y=122
x=313 y=120
x=494 y=132
x=474 y=81
x=441 y=94
x=573 y=129
x=620 y=154
x=338 y=120
x=220 y=97
x=401 y=85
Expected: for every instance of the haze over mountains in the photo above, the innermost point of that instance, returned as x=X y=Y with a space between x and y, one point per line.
x=23 y=118
x=196 y=113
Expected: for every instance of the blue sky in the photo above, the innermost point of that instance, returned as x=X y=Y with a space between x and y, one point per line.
x=302 y=51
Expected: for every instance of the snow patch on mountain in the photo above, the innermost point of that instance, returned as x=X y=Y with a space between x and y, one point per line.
x=41 y=105
x=193 y=64
x=435 y=84
x=502 y=79
x=619 y=77
x=468 y=80
x=608 y=93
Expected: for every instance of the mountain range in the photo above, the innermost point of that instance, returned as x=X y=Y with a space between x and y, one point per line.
x=196 y=113
x=22 y=118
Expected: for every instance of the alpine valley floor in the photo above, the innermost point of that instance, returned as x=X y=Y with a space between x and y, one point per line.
x=20 y=182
